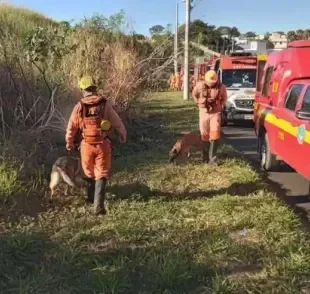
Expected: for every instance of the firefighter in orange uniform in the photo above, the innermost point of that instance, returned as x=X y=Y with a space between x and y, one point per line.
x=210 y=95
x=177 y=82
x=171 y=81
x=192 y=82
x=94 y=117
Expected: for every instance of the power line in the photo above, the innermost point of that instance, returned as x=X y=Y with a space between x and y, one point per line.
x=186 y=50
x=194 y=5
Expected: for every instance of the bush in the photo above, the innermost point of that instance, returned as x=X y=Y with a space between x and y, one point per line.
x=41 y=62
x=9 y=183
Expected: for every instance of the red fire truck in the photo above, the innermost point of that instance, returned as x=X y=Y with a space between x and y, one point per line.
x=237 y=72
x=197 y=72
x=282 y=109
x=201 y=69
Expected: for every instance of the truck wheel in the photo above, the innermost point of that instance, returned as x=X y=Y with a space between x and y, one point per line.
x=268 y=161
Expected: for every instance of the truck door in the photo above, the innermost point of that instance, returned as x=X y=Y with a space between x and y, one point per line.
x=259 y=84
x=286 y=141
x=302 y=153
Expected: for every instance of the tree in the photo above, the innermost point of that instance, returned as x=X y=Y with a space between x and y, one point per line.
x=138 y=36
x=307 y=34
x=267 y=36
x=45 y=48
x=224 y=30
x=203 y=33
x=157 y=30
x=250 y=35
x=291 y=36
x=300 y=34
x=230 y=34
x=200 y=38
x=197 y=26
x=98 y=23
x=116 y=21
x=234 y=32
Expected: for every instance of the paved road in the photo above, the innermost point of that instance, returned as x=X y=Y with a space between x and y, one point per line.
x=293 y=186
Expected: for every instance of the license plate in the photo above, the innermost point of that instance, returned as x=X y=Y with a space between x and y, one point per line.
x=249 y=116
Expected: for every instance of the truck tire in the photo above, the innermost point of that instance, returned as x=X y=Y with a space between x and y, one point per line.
x=268 y=161
x=223 y=122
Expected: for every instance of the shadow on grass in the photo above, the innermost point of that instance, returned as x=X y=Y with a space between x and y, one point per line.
x=33 y=263
x=277 y=188
x=140 y=192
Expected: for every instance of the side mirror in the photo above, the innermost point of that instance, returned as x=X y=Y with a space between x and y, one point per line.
x=220 y=74
x=303 y=113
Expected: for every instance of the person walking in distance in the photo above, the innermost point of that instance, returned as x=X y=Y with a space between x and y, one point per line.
x=94 y=117
x=210 y=96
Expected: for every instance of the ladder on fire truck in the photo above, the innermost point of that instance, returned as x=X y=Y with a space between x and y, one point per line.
x=206 y=49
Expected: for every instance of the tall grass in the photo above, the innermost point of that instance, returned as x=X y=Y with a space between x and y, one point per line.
x=19 y=20
x=36 y=96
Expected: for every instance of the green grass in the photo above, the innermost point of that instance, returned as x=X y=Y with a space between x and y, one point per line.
x=170 y=229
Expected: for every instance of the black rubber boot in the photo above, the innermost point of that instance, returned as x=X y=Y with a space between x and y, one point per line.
x=205 y=151
x=100 y=186
x=90 y=191
x=213 y=151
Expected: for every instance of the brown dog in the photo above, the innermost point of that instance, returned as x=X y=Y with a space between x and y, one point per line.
x=182 y=147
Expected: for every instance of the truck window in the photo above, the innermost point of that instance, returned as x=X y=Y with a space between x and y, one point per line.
x=260 y=72
x=239 y=78
x=268 y=75
x=292 y=96
x=306 y=99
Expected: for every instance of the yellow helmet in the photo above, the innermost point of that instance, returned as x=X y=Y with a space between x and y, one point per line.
x=86 y=82
x=211 y=76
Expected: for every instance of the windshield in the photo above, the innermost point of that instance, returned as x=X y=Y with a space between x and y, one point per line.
x=239 y=78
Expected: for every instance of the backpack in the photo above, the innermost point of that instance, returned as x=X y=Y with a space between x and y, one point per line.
x=91 y=116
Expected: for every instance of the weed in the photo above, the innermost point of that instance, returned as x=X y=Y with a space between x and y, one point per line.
x=169 y=229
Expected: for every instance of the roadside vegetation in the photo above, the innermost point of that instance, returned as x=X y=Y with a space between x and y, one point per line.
x=170 y=229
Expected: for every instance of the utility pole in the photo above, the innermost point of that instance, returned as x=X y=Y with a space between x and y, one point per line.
x=176 y=40
x=186 y=45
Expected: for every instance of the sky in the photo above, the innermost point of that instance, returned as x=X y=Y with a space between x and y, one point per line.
x=249 y=15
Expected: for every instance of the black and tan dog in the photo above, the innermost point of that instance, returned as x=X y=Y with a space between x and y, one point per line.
x=65 y=169
x=182 y=147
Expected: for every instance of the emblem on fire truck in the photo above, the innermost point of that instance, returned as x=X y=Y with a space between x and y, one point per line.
x=301 y=132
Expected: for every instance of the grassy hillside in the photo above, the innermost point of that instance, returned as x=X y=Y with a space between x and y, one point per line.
x=21 y=20
x=40 y=64
x=170 y=229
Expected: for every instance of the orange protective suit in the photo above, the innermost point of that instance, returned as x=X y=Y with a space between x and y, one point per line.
x=95 y=157
x=172 y=81
x=178 y=81
x=192 y=82
x=209 y=119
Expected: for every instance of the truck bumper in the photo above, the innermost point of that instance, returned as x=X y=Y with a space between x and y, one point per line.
x=236 y=115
